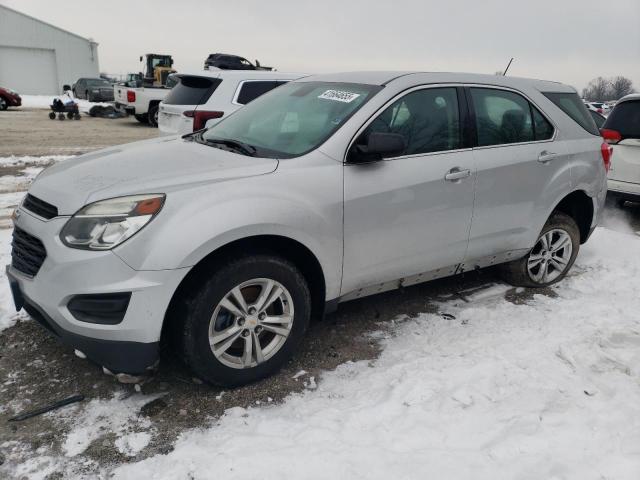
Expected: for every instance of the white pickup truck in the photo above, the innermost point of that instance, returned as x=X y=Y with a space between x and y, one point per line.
x=142 y=102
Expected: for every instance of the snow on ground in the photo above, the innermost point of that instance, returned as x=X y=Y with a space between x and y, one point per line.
x=545 y=390
x=12 y=188
x=45 y=101
x=118 y=415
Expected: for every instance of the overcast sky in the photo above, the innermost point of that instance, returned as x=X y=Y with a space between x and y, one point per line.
x=571 y=41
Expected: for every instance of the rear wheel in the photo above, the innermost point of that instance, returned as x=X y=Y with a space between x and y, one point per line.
x=153 y=115
x=52 y=115
x=246 y=320
x=551 y=257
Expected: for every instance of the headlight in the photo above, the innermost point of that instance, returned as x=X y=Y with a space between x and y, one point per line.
x=103 y=225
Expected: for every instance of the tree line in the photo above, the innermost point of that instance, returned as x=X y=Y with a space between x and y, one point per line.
x=606 y=89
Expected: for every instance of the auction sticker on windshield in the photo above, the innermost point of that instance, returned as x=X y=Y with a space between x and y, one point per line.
x=339 y=96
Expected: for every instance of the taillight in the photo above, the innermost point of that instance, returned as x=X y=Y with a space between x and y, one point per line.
x=610 y=136
x=599 y=111
x=200 y=117
x=607 y=152
x=131 y=96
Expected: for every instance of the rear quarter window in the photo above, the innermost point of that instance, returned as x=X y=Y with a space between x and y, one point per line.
x=251 y=90
x=191 y=90
x=625 y=119
x=571 y=104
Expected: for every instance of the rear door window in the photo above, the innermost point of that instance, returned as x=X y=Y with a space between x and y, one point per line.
x=625 y=119
x=191 y=90
x=571 y=104
x=251 y=90
x=502 y=117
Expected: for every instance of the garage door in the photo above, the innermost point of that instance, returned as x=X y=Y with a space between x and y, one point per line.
x=30 y=71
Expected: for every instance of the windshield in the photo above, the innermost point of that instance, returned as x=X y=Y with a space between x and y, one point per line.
x=98 y=83
x=293 y=119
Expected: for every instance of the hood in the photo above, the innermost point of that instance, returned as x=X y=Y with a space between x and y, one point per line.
x=152 y=166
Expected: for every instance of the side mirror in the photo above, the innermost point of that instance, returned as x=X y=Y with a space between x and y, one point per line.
x=379 y=145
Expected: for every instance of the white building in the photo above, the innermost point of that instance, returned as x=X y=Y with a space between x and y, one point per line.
x=39 y=58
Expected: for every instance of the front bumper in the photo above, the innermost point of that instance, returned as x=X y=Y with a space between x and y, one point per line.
x=129 y=346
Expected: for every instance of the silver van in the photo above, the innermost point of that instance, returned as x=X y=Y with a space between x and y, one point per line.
x=228 y=241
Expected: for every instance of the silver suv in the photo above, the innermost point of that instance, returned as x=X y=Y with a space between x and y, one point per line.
x=228 y=241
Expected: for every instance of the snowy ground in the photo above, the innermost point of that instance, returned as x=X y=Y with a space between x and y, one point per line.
x=493 y=383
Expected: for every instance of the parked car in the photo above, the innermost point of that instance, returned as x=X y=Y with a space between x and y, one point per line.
x=93 y=89
x=598 y=118
x=9 y=98
x=622 y=132
x=225 y=61
x=143 y=102
x=202 y=99
x=599 y=107
x=326 y=189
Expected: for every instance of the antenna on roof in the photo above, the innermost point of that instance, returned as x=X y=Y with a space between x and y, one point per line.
x=504 y=74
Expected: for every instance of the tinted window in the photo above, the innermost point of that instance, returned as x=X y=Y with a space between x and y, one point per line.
x=570 y=104
x=597 y=118
x=625 y=118
x=191 y=90
x=501 y=117
x=542 y=128
x=252 y=90
x=428 y=120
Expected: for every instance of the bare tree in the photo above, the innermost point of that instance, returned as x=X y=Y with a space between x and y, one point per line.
x=619 y=87
x=597 y=89
x=603 y=89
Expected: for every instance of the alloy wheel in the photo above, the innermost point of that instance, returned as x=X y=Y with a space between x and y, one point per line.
x=251 y=323
x=550 y=256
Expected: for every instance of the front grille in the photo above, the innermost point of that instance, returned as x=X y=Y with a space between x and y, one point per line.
x=39 y=207
x=27 y=253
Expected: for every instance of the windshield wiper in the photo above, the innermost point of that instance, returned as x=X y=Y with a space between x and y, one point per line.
x=245 y=148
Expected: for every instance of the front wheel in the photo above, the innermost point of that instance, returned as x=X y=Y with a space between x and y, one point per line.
x=246 y=320
x=3 y=104
x=551 y=257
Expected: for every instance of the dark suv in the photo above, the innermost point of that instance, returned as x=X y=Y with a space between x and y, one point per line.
x=225 y=61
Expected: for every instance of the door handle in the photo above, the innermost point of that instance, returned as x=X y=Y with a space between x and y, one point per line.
x=457 y=173
x=546 y=156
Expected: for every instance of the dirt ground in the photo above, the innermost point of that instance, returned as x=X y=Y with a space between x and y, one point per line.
x=36 y=370
x=31 y=132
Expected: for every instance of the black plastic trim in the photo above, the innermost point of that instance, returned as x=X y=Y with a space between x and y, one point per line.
x=101 y=308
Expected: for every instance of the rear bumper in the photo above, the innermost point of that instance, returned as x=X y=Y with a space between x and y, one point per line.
x=618 y=188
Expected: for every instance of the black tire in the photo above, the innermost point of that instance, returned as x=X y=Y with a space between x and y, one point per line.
x=77 y=116
x=142 y=118
x=153 y=115
x=517 y=272
x=70 y=115
x=61 y=116
x=52 y=115
x=3 y=104
x=197 y=352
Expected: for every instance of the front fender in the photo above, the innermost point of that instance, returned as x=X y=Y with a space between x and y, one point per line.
x=198 y=221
